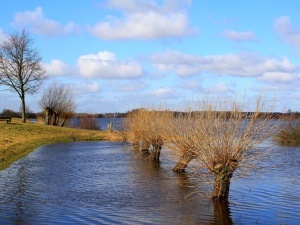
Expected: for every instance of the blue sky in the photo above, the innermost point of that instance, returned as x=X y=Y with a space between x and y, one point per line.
x=123 y=54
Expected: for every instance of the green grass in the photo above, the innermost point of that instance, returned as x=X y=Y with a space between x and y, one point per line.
x=19 y=139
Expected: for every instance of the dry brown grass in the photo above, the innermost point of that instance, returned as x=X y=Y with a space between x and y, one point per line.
x=18 y=139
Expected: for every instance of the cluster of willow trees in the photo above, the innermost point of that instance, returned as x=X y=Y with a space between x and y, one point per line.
x=58 y=103
x=218 y=137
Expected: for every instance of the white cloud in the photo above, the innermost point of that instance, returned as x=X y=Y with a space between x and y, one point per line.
x=84 y=88
x=57 y=68
x=132 y=5
x=105 y=65
x=149 y=25
x=130 y=86
x=150 y=5
x=243 y=65
x=218 y=88
x=35 y=21
x=191 y=85
x=165 y=93
x=238 y=36
x=279 y=76
x=144 y=20
x=290 y=33
x=3 y=36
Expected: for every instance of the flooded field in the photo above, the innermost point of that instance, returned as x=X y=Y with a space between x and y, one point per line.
x=107 y=183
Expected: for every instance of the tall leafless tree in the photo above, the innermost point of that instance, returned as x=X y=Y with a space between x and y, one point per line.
x=58 y=103
x=21 y=69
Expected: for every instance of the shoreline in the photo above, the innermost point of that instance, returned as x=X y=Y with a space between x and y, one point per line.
x=18 y=139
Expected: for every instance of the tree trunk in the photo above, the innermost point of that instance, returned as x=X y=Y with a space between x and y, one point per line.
x=23 y=109
x=63 y=122
x=55 y=118
x=155 y=154
x=183 y=162
x=136 y=145
x=145 y=146
x=222 y=212
x=47 y=116
x=223 y=176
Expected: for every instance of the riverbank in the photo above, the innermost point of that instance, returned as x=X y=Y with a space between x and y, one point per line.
x=18 y=139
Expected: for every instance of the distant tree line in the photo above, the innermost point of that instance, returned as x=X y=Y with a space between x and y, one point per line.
x=33 y=115
x=225 y=114
x=12 y=113
x=101 y=115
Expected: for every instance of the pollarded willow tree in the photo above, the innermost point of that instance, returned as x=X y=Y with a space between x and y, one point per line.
x=178 y=132
x=223 y=139
x=21 y=69
x=58 y=103
x=134 y=124
x=146 y=128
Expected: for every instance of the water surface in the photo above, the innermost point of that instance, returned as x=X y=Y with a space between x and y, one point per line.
x=107 y=183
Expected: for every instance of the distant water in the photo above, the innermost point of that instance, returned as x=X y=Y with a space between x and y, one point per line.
x=108 y=183
x=102 y=123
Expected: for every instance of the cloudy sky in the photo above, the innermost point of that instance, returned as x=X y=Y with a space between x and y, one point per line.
x=123 y=54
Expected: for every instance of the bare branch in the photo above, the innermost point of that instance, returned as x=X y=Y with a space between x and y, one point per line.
x=21 y=70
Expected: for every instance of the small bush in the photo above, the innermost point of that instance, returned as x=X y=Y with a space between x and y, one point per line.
x=289 y=135
x=89 y=123
x=40 y=119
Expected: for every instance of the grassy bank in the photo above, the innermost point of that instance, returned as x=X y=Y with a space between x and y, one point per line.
x=18 y=139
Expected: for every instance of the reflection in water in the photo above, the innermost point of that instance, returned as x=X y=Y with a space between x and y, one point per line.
x=222 y=213
x=21 y=191
x=105 y=183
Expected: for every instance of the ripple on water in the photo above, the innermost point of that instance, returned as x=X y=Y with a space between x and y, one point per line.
x=105 y=183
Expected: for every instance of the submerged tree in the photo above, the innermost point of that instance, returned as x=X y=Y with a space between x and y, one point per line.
x=178 y=133
x=21 y=68
x=289 y=134
x=223 y=139
x=147 y=128
x=135 y=125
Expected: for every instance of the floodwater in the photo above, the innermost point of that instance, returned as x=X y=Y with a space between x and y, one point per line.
x=107 y=183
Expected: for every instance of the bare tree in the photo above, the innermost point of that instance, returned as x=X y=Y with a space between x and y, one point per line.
x=136 y=124
x=178 y=135
x=58 y=103
x=222 y=139
x=146 y=128
x=21 y=69
x=220 y=136
x=87 y=122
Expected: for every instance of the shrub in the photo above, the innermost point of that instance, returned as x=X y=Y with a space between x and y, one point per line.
x=89 y=123
x=289 y=135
